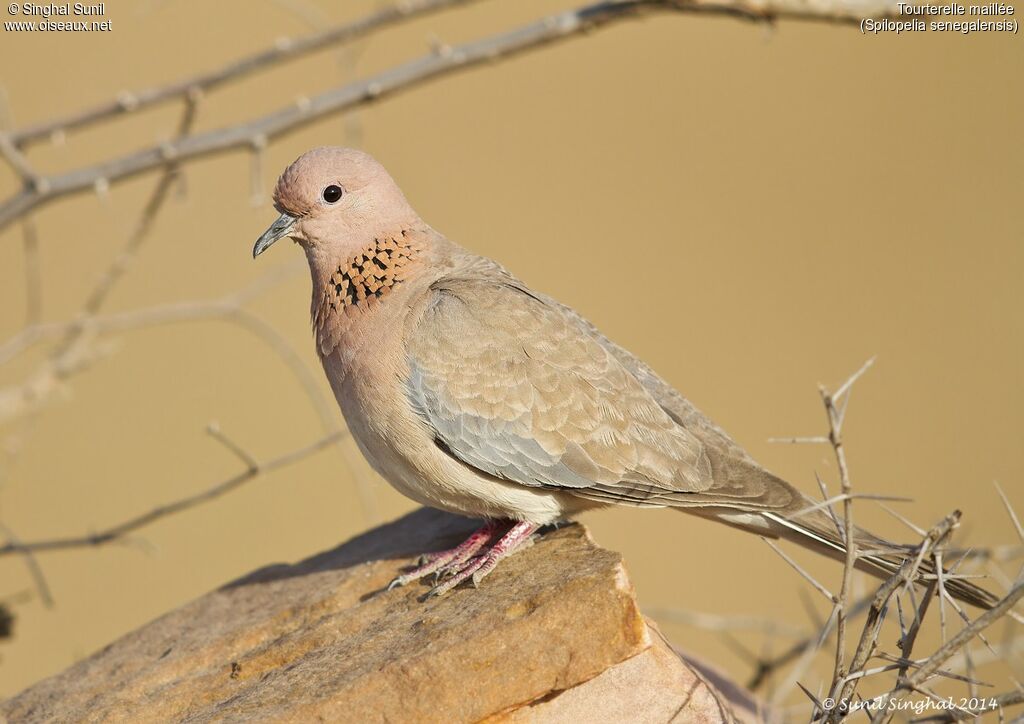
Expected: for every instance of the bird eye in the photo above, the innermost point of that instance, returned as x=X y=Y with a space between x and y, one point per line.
x=332 y=193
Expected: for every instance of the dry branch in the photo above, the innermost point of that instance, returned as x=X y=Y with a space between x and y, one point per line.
x=284 y=49
x=29 y=395
x=836 y=416
x=767 y=667
x=916 y=681
x=444 y=60
x=35 y=571
x=1000 y=702
x=912 y=674
x=844 y=686
x=119 y=531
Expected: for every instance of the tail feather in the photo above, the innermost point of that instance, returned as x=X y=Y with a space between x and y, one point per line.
x=818 y=532
x=749 y=497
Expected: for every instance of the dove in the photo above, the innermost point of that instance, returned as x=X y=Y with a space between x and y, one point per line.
x=470 y=392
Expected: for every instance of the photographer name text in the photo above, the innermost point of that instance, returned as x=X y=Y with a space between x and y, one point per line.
x=50 y=17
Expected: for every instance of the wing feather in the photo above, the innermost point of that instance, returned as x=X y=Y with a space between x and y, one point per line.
x=514 y=386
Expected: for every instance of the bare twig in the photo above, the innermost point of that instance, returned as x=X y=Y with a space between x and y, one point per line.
x=284 y=49
x=909 y=637
x=503 y=45
x=903 y=519
x=131 y=525
x=806 y=656
x=829 y=502
x=35 y=570
x=799 y=569
x=981 y=657
x=33 y=273
x=21 y=398
x=939 y=572
x=823 y=487
x=767 y=667
x=249 y=460
x=1000 y=701
x=851 y=380
x=912 y=673
x=915 y=681
x=720 y=622
x=17 y=161
x=844 y=687
x=117 y=268
x=1011 y=512
x=807 y=440
x=835 y=424
x=75 y=350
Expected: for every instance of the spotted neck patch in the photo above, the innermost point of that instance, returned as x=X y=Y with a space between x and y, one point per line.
x=360 y=282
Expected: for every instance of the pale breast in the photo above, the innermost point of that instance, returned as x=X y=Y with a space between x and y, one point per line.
x=363 y=312
x=369 y=387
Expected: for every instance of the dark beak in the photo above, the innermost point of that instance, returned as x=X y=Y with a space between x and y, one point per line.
x=279 y=228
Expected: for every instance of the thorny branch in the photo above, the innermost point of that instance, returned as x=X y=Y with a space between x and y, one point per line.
x=928 y=668
x=912 y=675
x=836 y=414
x=844 y=685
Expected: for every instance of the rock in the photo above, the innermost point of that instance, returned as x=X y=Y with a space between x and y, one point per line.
x=553 y=634
x=657 y=685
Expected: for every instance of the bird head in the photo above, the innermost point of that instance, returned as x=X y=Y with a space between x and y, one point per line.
x=333 y=202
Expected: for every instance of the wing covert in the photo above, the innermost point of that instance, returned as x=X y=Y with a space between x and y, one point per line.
x=515 y=387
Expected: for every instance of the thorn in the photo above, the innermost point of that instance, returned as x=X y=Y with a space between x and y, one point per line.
x=127 y=100
x=845 y=387
x=1011 y=512
x=102 y=187
x=168 y=151
x=438 y=47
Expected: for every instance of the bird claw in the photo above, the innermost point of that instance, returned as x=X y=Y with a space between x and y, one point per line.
x=396 y=583
x=450 y=569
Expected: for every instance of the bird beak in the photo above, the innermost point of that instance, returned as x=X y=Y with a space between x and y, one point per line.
x=279 y=228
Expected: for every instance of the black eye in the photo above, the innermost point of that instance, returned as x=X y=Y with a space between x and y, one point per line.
x=332 y=193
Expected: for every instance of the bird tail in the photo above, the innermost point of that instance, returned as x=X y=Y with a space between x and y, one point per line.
x=880 y=557
x=816 y=530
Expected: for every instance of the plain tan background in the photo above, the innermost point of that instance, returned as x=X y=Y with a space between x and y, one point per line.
x=752 y=211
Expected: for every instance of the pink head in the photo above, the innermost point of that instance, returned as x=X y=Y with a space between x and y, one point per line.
x=334 y=201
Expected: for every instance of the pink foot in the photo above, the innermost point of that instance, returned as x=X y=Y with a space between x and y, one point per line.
x=477 y=568
x=442 y=560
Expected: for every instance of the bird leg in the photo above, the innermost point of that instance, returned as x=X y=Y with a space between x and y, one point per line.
x=442 y=560
x=478 y=567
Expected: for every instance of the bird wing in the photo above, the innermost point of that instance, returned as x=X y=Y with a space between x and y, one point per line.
x=514 y=386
